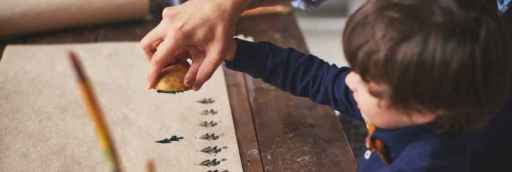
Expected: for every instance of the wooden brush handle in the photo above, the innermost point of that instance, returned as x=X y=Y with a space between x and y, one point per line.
x=96 y=115
x=274 y=8
x=278 y=9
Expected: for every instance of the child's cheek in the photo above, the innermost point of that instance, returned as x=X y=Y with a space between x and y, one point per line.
x=369 y=108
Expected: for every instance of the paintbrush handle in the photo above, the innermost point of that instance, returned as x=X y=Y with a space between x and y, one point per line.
x=96 y=115
x=150 y=166
x=267 y=9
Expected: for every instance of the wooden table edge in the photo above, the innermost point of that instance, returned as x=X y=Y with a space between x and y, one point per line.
x=243 y=120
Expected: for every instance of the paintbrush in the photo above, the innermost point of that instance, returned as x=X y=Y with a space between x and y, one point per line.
x=268 y=8
x=150 y=166
x=104 y=138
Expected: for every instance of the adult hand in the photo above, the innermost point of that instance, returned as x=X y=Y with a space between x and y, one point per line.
x=200 y=29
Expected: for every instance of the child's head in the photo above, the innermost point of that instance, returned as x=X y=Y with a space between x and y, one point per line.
x=447 y=61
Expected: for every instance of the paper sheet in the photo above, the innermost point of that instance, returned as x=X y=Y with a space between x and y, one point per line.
x=44 y=125
x=28 y=16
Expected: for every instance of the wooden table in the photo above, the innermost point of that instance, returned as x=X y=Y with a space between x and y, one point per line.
x=276 y=131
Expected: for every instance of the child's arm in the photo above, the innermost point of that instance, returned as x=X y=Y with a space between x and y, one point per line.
x=297 y=73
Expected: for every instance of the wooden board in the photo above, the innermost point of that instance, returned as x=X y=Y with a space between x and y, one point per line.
x=133 y=31
x=45 y=127
x=29 y=16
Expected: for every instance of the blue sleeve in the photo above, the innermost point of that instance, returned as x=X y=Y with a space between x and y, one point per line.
x=300 y=74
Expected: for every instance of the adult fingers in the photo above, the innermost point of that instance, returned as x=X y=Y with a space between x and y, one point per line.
x=197 y=59
x=151 y=41
x=212 y=60
x=165 y=54
x=154 y=73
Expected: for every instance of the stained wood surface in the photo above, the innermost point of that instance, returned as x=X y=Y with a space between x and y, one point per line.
x=294 y=134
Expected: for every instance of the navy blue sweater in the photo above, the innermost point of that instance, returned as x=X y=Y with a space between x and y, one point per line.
x=416 y=148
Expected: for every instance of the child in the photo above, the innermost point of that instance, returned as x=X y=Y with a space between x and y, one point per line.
x=425 y=75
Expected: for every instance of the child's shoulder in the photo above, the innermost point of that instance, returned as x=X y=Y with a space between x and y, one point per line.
x=435 y=153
